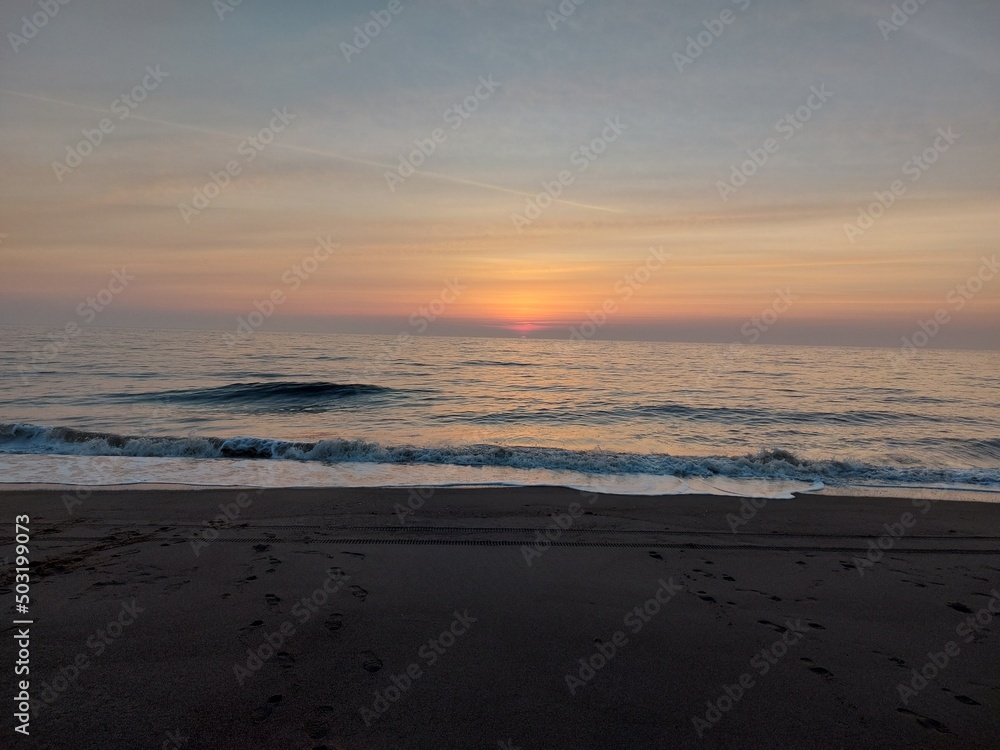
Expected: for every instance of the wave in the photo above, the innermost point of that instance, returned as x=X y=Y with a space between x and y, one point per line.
x=494 y=363
x=279 y=394
x=764 y=464
x=771 y=416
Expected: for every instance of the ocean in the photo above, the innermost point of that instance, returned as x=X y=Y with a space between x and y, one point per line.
x=127 y=406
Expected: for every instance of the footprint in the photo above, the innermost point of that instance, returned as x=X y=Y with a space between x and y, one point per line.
x=707 y=598
x=967 y=700
x=274 y=561
x=285 y=659
x=334 y=622
x=261 y=547
x=926 y=721
x=822 y=671
x=371 y=662
x=959 y=607
x=815 y=626
x=655 y=555
x=272 y=599
x=354 y=554
x=274 y=699
x=359 y=592
x=261 y=713
x=778 y=628
x=729 y=578
x=316 y=729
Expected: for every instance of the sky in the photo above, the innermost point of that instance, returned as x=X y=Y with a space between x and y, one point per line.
x=762 y=171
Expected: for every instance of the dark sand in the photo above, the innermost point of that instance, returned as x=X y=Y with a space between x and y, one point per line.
x=166 y=678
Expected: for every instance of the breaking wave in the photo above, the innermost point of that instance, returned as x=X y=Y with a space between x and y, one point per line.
x=764 y=464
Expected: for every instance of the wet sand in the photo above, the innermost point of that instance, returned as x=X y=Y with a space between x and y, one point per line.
x=506 y=618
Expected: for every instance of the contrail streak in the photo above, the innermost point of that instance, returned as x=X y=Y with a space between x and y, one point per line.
x=307 y=150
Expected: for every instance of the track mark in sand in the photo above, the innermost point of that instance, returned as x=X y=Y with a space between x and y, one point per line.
x=252 y=626
x=926 y=721
x=316 y=729
x=334 y=622
x=655 y=555
x=261 y=547
x=274 y=561
x=959 y=607
x=272 y=600
x=371 y=662
x=359 y=592
x=821 y=671
x=261 y=713
x=815 y=626
x=967 y=700
x=285 y=659
x=729 y=578
x=354 y=554
x=775 y=626
x=705 y=597
x=275 y=699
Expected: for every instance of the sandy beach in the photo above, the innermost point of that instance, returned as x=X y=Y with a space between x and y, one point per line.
x=510 y=618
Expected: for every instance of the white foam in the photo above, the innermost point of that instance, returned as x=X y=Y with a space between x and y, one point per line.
x=98 y=471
